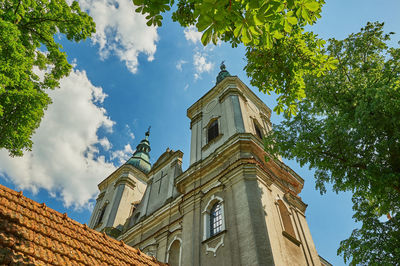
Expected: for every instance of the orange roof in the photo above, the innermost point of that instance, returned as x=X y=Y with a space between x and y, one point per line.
x=31 y=233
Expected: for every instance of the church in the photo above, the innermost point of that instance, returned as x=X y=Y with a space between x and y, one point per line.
x=230 y=207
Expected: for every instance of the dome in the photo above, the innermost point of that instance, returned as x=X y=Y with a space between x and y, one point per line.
x=223 y=73
x=141 y=158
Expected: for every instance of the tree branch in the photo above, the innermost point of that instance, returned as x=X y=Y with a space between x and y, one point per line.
x=16 y=10
x=40 y=20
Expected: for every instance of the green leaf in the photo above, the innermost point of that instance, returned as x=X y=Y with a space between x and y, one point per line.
x=238 y=31
x=246 y=36
x=312 y=6
x=23 y=96
x=277 y=35
x=206 y=37
x=305 y=15
x=292 y=20
x=287 y=27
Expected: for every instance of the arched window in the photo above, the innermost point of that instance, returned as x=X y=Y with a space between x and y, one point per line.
x=287 y=222
x=258 y=130
x=215 y=219
x=174 y=253
x=212 y=130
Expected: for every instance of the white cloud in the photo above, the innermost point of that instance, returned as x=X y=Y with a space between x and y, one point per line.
x=121 y=31
x=64 y=159
x=201 y=65
x=191 y=34
x=179 y=64
x=105 y=143
x=186 y=87
x=130 y=133
x=122 y=155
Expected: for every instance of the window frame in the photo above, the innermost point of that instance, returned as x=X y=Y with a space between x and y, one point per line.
x=258 y=129
x=288 y=230
x=215 y=219
x=213 y=124
x=178 y=239
x=101 y=214
x=213 y=201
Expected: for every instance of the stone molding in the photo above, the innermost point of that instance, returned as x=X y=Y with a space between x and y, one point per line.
x=218 y=240
x=295 y=201
x=125 y=181
x=214 y=140
x=164 y=159
x=118 y=172
x=231 y=91
x=196 y=119
x=100 y=196
x=176 y=237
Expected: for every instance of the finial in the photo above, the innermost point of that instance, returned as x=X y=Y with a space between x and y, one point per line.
x=148 y=131
x=223 y=73
x=222 y=66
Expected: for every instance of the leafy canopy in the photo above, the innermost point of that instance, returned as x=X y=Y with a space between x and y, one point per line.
x=348 y=129
x=27 y=30
x=279 y=53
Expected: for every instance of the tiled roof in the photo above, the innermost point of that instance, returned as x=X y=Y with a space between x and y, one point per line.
x=33 y=234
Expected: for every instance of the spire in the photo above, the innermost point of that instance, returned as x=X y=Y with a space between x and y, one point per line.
x=223 y=73
x=141 y=158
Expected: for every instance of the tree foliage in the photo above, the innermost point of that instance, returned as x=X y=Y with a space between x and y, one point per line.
x=27 y=31
x=279 y=52
x=348 y=129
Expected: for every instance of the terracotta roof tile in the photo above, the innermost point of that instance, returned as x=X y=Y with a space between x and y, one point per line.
x=34 y=234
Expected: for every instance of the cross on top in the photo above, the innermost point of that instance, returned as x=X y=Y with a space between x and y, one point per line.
x=222 y=66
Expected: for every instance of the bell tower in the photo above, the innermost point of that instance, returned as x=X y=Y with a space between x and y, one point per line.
x=248 y=210
x=230 y=107
x=122 y=191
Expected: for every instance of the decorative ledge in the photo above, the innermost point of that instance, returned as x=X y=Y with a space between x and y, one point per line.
x=195 y=119
x=100 y=196
x=231 y=91
x=291 y=238
x=214 y=242
x=205 y=147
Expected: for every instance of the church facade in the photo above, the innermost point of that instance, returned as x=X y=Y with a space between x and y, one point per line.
x=230 y=207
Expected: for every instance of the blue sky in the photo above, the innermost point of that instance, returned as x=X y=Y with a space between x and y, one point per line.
x=129 y=76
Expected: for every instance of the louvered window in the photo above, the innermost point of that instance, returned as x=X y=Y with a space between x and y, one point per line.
x=213 y=131
x=103 y=210
x=258 y=131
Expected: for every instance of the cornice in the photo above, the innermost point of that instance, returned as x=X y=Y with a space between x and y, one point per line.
x=236 y=145
x=229 y=92
x=196 y=119
x=193 y=110
x=151 y=220
x=114 y=175
x=241 y=89
x=169 y=156
x=295 y=201
x=126 y=181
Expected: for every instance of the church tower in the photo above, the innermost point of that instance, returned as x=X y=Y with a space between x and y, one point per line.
x=230 y=207
x=224 y=111
x=121 y=192
x=241 y=210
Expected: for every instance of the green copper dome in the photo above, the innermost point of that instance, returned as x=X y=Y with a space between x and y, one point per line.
x=141 y=158
x=223 y=73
